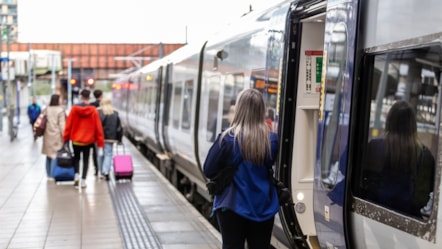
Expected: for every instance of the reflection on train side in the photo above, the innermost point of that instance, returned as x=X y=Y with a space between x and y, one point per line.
x=410 y=76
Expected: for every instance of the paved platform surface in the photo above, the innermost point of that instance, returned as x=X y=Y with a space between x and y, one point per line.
x=147 y=212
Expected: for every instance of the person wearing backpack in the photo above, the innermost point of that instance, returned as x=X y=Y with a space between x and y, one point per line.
x=401 y=167
x=34 y=111
x=98 y=94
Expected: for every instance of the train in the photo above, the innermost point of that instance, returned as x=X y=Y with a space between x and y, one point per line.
x=329 y=72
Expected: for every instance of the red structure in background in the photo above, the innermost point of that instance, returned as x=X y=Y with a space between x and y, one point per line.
x=104 y=59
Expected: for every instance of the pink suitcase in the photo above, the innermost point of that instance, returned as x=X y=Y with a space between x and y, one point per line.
x=123 y=167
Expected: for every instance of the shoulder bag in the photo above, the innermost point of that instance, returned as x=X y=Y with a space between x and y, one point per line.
x=65 y=157
x=284 y=195
x=40 y=125
x=217 y=184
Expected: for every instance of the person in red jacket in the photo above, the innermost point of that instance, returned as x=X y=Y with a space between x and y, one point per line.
x=83 y=127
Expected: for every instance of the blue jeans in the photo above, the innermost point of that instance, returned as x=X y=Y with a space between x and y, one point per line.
x=105 y=161
x=49 y=166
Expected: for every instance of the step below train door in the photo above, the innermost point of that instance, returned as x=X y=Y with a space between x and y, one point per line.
x=299 y=112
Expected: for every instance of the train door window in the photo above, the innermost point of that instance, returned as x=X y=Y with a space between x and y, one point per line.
x=176 y=100
x=214 y=83
x=152 y=93
x=140 y=99
x=333 y=106
x=132 y=96
x=187 y=105
x=401 y=131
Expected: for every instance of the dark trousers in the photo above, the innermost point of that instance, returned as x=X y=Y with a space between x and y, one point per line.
x=236 y=230
x=32 y=126
x=94 y=158
x=82 y=152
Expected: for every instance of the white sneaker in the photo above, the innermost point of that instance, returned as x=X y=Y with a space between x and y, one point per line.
x=76 y=179
x=83 y=184
x=332 y=175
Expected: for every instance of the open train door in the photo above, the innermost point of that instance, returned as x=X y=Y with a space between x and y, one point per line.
x=298 y=116
x=330 y=186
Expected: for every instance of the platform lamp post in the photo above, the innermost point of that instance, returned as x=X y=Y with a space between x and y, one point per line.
x=10 y=96
x=53 y=74
x=69 y=86
x=30 y=93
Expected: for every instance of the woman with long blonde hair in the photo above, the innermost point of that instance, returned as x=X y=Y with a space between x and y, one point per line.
x=112 y=134
x=246 y=208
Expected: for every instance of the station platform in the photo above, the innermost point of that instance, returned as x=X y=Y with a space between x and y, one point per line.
x=147 y=212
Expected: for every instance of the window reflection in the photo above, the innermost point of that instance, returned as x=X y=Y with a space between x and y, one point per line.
x=337 y=52
x=398 y=170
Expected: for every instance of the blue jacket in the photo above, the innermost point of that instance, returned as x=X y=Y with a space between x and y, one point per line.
x=251 y=194
x=33 y=112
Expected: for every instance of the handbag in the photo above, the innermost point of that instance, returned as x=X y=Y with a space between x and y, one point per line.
x=40 y=125
x=217 y=184
x=65 y=157
x=284 y=195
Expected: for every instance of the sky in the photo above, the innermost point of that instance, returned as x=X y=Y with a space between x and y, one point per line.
x=127 y=21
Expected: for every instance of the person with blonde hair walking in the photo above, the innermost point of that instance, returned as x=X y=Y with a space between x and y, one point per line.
x=113 y=133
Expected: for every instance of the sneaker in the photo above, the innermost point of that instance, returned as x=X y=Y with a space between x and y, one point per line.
x=107 y=177
x=83 y=184
x=76 y=179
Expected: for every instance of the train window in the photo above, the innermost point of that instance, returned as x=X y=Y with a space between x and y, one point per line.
x=187 y=105
x=214 y=86
x=333 y=106
x=176 y=100
x=232 y=86
x=140 y=99
x=266 y=81
x=398 y=162
x=149 y=95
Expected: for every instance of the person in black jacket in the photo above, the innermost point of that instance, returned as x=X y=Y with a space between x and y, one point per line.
x=113 y=133
x=98 y=94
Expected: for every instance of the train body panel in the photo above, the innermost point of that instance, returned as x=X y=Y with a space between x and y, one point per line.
x=406 y=36
x=385 y=21
x=329 y=72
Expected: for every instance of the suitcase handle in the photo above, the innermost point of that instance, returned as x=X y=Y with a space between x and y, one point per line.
x=124 y=148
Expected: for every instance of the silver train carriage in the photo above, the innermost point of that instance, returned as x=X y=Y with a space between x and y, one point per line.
x=329 y=72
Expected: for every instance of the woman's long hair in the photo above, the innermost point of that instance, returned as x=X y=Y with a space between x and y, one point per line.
x=106 y=106
x=249 y=127
x=55 y=100
x=401 y=143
